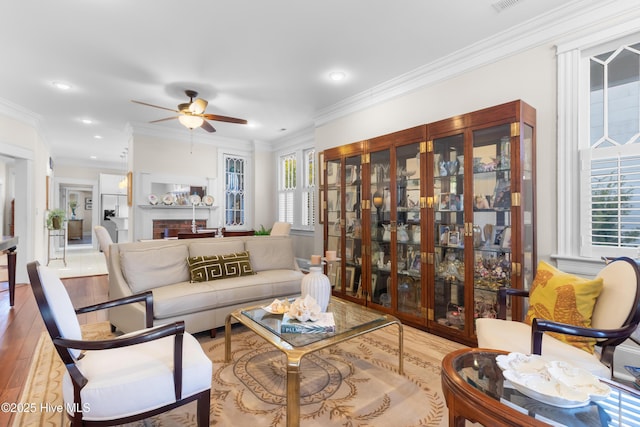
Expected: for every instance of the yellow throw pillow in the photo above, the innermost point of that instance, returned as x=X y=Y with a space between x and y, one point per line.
x=563 y=297
x=213 y=267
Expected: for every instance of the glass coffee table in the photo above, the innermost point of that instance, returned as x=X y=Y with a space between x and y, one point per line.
x=475 y=390
x=351 y=321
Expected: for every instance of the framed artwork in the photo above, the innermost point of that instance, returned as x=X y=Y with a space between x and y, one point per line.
x=502 y=194
x=350 y=273
x=48 y=180
x=88 y=203
x=506 y=238
x=415 y=264
x=454 y=238
x=445 y=202
x=130 y=189
x=413 y=199
x=348 y=250
x=444 y=235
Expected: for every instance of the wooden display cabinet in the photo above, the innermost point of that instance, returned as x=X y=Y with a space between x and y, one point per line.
x=428 y=222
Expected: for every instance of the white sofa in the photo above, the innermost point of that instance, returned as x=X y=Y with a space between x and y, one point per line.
x=161 y=267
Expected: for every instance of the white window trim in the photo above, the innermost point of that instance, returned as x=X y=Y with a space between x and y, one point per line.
x=572 y=110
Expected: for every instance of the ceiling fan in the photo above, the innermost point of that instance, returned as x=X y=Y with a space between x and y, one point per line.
x=191 y=114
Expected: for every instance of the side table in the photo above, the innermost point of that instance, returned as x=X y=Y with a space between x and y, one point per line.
x=55 y=237
x=475 y=390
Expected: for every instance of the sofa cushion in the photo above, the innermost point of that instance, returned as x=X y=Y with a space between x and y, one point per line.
x=187 y=298
x=565 y=298
x=215 y=267
x=513 y=336
x=271 y=253
x=215 y=247
x=150 y=268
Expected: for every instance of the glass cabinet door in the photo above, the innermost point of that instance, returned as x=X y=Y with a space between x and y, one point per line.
x=381 y=245
x=352 y=254
x=492 y=216
x=408 y=248
x=449 y=231
x=334 y=230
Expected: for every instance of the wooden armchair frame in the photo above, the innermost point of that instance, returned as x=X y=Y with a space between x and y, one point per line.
x=608 y=339
x=63 y=347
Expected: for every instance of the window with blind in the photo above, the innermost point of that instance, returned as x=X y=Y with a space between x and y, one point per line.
x=287 y=188
x=611 y=158
x=309 y=189
x=297 y=191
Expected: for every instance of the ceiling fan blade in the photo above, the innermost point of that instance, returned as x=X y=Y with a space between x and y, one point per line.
x=224 y=119
x=155 y=106
x=165 y=119
x=207 y=126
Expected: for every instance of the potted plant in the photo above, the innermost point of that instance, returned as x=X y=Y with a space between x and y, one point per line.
x=263 y=231
x=73 y=205
x=55 y=218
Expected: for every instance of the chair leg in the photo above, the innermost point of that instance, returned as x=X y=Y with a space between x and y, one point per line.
x=204 y=407
x=213 y=332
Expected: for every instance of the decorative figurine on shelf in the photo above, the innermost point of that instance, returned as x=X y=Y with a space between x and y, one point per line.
x=403 y=235
x=451 y=267
x=386 y=236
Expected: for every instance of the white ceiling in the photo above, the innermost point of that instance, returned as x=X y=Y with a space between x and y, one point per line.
x=264 y=61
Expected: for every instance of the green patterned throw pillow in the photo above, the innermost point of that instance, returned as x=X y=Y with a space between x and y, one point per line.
x=213 y=267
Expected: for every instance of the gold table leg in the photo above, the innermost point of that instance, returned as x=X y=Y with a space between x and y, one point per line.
x=400 y=350
x=227 y=339
x=293 y=390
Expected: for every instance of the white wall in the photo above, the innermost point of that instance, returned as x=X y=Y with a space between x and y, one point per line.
x=530 y=76
x=21 y=140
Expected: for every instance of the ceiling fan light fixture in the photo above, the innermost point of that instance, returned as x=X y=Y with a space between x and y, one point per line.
x=198 y=106
x=337 y=76
x=191 y=122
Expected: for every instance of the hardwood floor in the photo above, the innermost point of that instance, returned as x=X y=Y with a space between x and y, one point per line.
x=21 y=327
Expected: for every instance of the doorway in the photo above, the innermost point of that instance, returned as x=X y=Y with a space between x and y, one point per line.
x=76 y=198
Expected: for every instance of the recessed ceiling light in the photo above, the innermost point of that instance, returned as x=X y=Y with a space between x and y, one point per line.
x=93 y=157
x=336 y=76
x=97 y=136
x=87 y=121
x=61 y=85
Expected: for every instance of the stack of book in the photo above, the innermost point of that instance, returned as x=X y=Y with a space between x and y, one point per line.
x=324 y=324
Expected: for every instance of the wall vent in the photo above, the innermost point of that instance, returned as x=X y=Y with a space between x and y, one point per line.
x=505 y=4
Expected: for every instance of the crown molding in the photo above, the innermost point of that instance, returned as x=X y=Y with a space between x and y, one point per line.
x=546 y=28
x=20 y=113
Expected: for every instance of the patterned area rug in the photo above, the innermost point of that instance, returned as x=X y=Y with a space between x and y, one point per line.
x=355 y=383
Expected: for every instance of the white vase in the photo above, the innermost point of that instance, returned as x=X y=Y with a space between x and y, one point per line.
x=318 y=286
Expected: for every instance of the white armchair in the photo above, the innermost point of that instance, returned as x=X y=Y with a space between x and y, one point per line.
x=104 y=239
x=616 y=315
x=127 y=378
